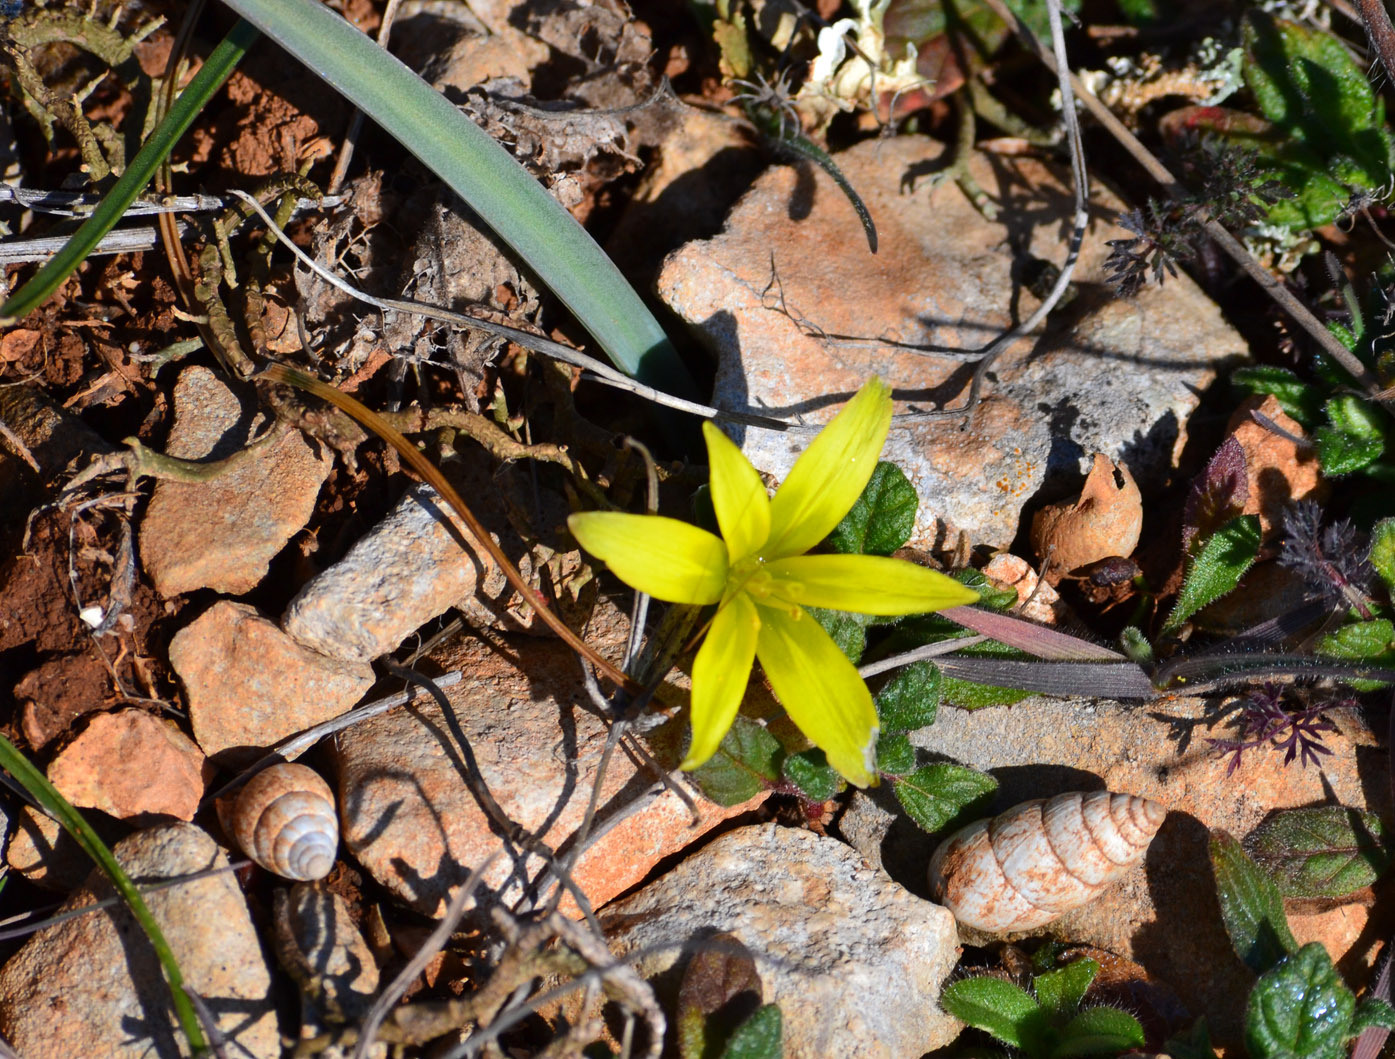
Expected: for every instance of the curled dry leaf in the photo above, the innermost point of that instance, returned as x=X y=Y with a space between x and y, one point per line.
x=1105 y=520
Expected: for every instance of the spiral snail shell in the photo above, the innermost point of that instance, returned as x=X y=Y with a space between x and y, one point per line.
x=1040 y=859
x=284 y=819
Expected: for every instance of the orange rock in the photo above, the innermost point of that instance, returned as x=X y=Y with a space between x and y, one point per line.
x=130 y=763
x=1279 y=469
x=1105 y=520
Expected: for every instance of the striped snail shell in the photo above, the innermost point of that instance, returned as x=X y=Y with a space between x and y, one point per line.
x=284 y=819
x=1040 y=859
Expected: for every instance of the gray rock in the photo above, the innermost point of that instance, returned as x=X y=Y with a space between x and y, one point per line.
x=855 y=962
x=1163 y=913
x=411 y=567
x=1111 y=376
x=222 y=533
x=408 y=807
x=249 y=685
x=320 y=947
x=91 y=986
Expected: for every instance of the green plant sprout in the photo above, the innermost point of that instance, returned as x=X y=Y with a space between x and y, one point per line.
x=759 y=576
x=1049 y=1022
x=1299 y=1007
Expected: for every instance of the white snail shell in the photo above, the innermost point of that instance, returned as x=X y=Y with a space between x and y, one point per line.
x=284 y=819
x=1040 y=859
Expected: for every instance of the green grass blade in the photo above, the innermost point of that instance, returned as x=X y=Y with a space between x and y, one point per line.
x=137 y=175
x=43 y=792
x=544 y=235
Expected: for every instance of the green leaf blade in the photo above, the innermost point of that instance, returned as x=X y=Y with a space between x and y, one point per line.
x=882 y=519
x=1251 y=906
x=940 y=794
x=1300 y=1009
x=759 y=1037
x=746 y=763
x=910 y=699
x=1217 y=568
x=1329 y=851
x=997 y=1007
x=1099 y=1031
x=1061 y=991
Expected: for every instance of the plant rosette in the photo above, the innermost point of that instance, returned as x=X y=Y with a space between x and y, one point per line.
x=758 y=575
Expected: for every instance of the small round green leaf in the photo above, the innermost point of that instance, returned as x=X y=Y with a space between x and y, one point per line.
x=1299 y=1010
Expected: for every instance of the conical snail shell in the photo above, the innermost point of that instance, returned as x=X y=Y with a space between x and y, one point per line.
x=1041 y=859
x=284 y=819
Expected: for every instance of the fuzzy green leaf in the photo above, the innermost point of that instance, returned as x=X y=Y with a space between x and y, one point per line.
x=909 y=700
x=935 y=796
x=1301 y=400
x=1372 y=642
x=1300 y=1009
x=1355 y=438
x=1099 y=1031
x=895 y=755
x=812 y=774
x=883 y=517
x=1195 y=1045
x=1000 y=1008
x=1309 y=86
x=1217 y=568
x=1383 y=551
x=759 y=1037
x=1061 y=991
x=1323 y=852
x=849 y=630
x=1251 y=906
x=1372 y=1012
x=745 y=764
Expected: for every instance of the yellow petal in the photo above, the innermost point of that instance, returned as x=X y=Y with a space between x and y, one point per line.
x=720 y=673
x=738 y=495
x=865 y=584
x=668 y=559
x=829 y=476
x=820 y=690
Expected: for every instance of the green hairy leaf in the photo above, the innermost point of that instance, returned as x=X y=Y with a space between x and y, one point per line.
x=1383 y=551
x=908 y=701
x=745 y=764
x=1372 y=1012
x=1355 y=438
x=849 y=630
x=759 y=1037
x=1217 y=568
x=1300 y=1009
x=1061 y=991
x=812 y=774
x=1299 y=399
x=1324 y=852
x=937 y=795
x=883 y=517
x=1099 y=1031
x=1000 y=1008
x=1251 y=906
x=895 y=755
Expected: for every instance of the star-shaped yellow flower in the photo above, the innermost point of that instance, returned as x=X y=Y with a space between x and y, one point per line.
x=761 y=580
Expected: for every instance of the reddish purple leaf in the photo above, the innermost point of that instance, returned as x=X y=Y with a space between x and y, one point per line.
x=1218 y=494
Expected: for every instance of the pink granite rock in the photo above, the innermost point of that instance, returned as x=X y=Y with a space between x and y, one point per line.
x=221 y=534
x=249 y=685
x=132 y=765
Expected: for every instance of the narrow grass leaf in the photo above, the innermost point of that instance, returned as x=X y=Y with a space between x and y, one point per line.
x=43 y=792
x=518 y=209
x=138 y=174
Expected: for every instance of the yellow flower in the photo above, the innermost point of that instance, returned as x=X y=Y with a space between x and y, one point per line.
x=761 y=580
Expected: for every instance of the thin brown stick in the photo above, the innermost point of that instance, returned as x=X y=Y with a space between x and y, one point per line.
x=1296 y=310
x=432 y=476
